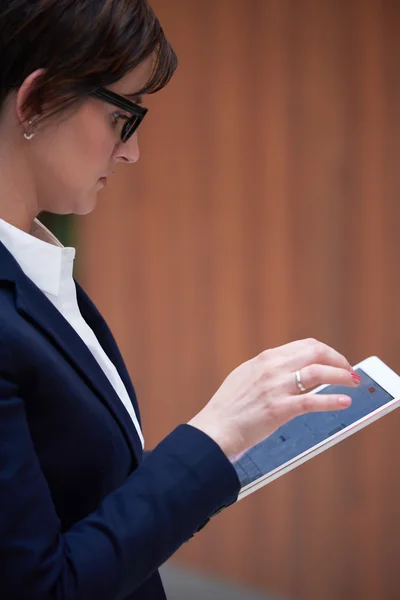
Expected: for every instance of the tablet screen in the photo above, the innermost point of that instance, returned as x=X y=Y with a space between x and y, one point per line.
x=305 y=431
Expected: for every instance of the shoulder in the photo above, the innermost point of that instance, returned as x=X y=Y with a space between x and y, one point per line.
x=8 y=335
x=15 y=335
x=9 y=316
x=10 y=319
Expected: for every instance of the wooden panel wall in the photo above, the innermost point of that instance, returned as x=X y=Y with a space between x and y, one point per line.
x=265 y=208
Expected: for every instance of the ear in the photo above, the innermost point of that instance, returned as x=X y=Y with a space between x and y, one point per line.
x=23 y=93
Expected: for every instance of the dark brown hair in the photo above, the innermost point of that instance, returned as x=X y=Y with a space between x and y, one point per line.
x=82 y=45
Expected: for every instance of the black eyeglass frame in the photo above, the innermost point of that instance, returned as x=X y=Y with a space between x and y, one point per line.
x=138 y=112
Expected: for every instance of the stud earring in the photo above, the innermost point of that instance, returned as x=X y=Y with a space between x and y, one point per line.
x=30 y=131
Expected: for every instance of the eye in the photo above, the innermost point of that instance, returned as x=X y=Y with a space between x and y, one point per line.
x=117 y=116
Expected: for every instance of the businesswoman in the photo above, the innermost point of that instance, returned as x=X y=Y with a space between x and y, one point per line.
x=82 y=515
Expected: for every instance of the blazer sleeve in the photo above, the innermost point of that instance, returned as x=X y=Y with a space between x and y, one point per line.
x=184 y=480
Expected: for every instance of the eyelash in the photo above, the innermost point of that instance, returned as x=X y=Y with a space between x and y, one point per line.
x=118 y=115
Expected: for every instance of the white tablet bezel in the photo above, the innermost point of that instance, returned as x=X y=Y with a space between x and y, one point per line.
x=383 y=376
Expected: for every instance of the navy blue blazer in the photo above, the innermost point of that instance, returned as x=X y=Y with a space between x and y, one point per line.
x=82 y=515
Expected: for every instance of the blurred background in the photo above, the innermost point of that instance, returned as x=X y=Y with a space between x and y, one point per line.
x=264 y=209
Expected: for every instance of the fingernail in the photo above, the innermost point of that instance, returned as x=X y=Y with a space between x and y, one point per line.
x=356 y=377
x=345 y=401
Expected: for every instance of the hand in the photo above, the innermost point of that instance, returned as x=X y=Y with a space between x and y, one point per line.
x=261 y=394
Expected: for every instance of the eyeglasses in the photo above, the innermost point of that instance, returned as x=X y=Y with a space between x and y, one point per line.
x=138 y=112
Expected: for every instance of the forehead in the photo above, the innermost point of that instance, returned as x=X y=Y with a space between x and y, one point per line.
x=134 y=80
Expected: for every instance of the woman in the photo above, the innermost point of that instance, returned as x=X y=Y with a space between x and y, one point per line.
x=82 y=515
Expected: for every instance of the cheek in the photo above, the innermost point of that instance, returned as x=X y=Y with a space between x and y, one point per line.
x=74 y=154
x=88 y=144
x=93 y=146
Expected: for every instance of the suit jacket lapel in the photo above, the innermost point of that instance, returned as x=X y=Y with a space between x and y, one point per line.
x=37 y=309
x=96 y=322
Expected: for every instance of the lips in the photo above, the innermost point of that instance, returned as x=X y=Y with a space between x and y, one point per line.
x=105 y=177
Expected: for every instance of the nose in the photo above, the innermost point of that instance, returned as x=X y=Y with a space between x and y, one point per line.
x=128 y=152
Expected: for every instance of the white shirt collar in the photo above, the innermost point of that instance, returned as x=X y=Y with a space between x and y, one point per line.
x=40 y=255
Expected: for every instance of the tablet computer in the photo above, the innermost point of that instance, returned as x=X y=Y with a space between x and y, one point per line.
x=308 y=435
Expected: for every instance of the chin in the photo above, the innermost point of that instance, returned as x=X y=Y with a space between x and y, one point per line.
x=86 y=204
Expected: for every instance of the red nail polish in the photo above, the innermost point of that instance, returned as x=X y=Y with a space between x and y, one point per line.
x=356 y=377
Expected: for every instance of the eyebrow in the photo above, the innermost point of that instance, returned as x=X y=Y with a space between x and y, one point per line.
x=134 y=97
x=130 y=96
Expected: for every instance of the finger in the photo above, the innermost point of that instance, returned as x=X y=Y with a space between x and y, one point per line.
x=300 y=405
x=307 y=352
x=315 y=375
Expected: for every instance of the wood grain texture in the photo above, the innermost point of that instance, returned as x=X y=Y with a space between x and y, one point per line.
x=264 y=209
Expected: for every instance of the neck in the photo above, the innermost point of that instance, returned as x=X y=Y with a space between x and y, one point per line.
x=18 y=200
